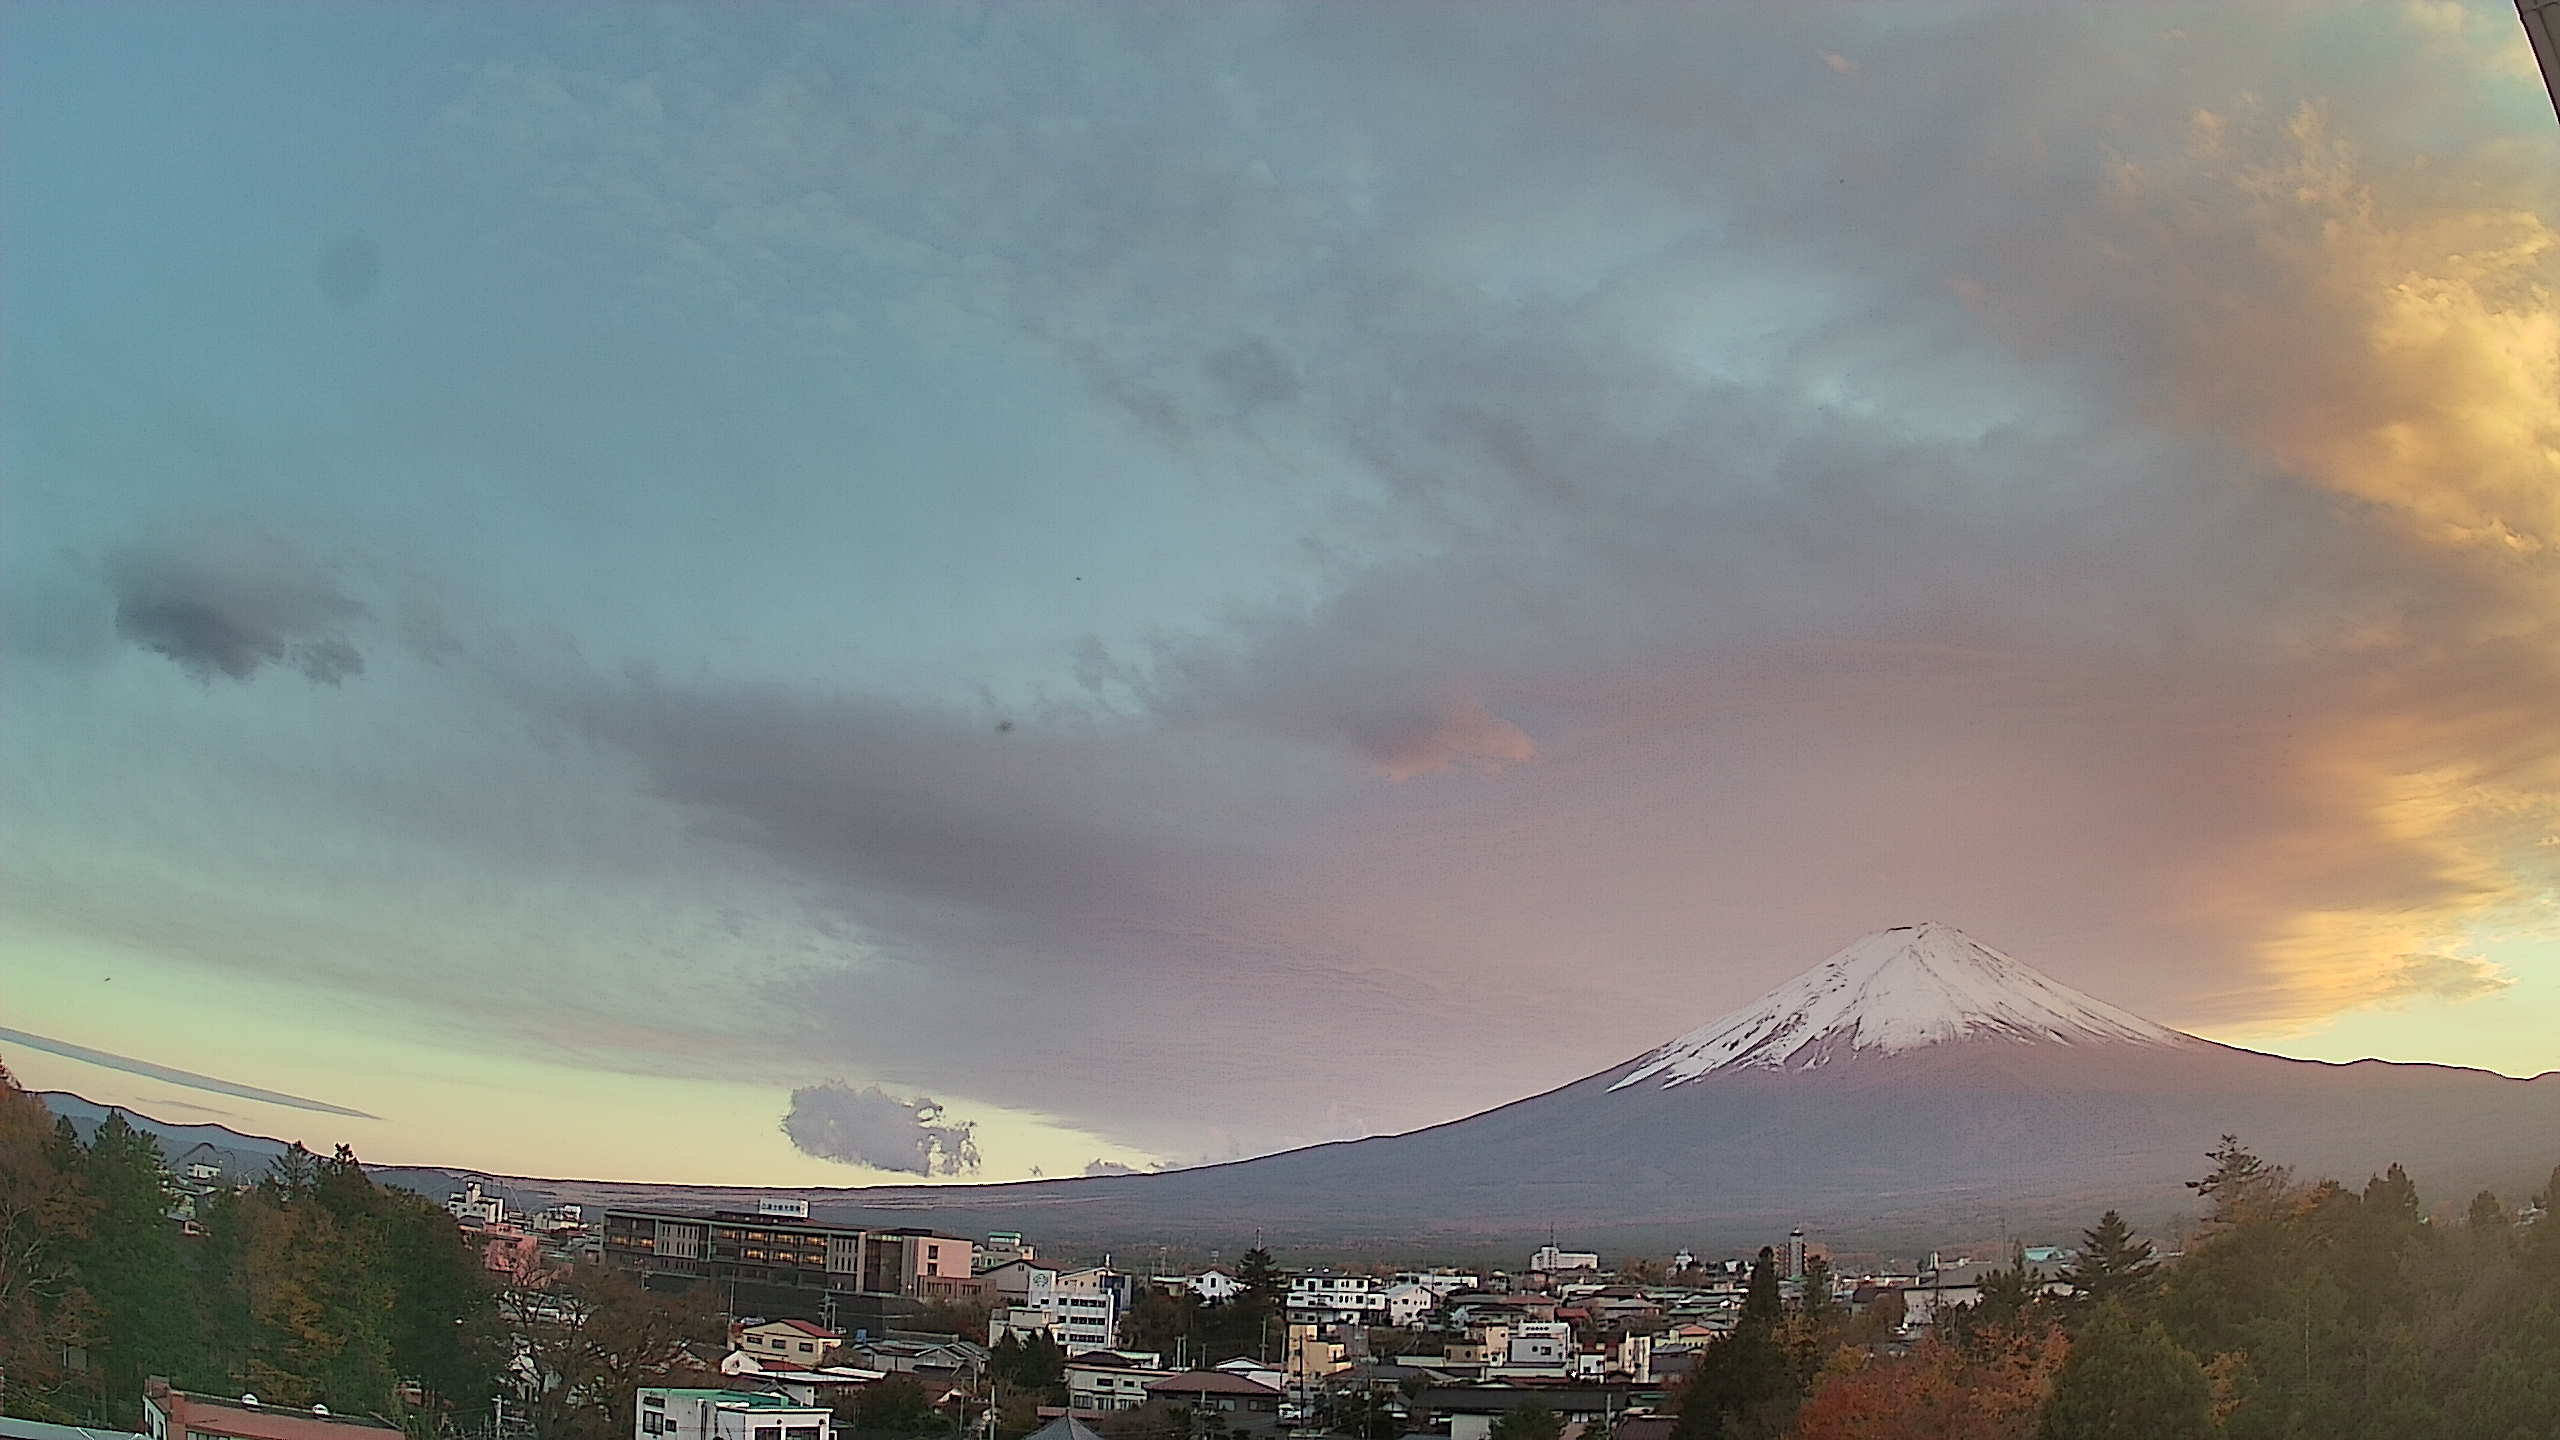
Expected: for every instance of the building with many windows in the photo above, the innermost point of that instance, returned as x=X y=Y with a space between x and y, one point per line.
x=790 y=1265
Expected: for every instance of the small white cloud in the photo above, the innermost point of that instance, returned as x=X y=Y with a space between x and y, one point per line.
x=2442 y=977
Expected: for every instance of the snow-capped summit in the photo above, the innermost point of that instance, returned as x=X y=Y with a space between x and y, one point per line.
x=1891 y=991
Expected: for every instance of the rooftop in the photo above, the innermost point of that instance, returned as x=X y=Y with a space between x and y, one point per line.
x=12 y=1428
x=761 y=1399
x=220 y=1415
x=1209 y=1382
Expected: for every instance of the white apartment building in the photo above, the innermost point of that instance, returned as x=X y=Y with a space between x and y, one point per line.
x=1442 y=1283
x=1086 y=1304
x=1103 y=1382
x=669 y=1413
x=473 y=1206
x=1536 y=1348
x=1549 y=1259
x=1358 y=1300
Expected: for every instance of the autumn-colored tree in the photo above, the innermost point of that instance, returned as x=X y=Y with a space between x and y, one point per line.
x=44 y=1217
x=1993 y=1390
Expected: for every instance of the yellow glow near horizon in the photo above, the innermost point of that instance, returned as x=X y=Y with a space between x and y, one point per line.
x=440 y=1103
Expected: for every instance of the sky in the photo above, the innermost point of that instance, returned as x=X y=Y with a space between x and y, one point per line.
x=843 y=594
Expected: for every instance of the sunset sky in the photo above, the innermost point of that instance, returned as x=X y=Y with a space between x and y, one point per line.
x=1031 y=588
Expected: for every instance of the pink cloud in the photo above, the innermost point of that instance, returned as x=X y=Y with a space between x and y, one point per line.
x=1461 y=732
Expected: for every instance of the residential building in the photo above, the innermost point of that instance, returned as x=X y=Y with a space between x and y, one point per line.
x=785 y=1342
x=1238 y=1403
x=559 y=1219
x=1065 y=1427
x=946 y=1358
x=820 y=1389
x=1309 y=1355
x=1104 y=1381
x=474 y=1206
x=1214 y=1286
x=1002 y=1246
x=1795 y=1254
x=1022 y=1322
x=1019 y=1282
x=13 y=1428
x=684 y=1413
x=1442 y=1283
x=169 y=1414
x=1472 y=1409
x=1089 y=1305
x=1325 y=1299
x=919 y=1264
x=1079 y=1309
x=1535 y=1349
x=1253 y=1369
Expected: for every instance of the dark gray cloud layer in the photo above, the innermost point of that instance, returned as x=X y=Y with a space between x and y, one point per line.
x=229 y=606
x=867 y=1125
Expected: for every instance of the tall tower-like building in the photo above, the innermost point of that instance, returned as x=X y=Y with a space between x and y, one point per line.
x=1795 y=1253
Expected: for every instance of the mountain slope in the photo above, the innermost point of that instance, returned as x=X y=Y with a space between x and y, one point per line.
x=1916 y=1086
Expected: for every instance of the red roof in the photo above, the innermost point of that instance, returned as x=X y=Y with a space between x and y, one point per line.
x=205 y=1415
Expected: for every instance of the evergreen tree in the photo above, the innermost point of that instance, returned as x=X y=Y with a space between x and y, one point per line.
x=1746 y=1385
x=1258 y=1316
x=2126 y=1379
x=2006 y=1294
x=2112 y=1264
x=2486 y=1215
x=1820 y=1308
x=1261 y=1279
x=132 y=1268
x=2241 y=1187
x=444 y=1331
x=2392 y=1193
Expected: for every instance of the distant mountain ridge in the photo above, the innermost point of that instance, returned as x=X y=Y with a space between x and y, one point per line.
x=241 y=1156
x=1916 y=1085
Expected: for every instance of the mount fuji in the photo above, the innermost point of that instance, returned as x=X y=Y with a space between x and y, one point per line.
x=1918 y=1086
